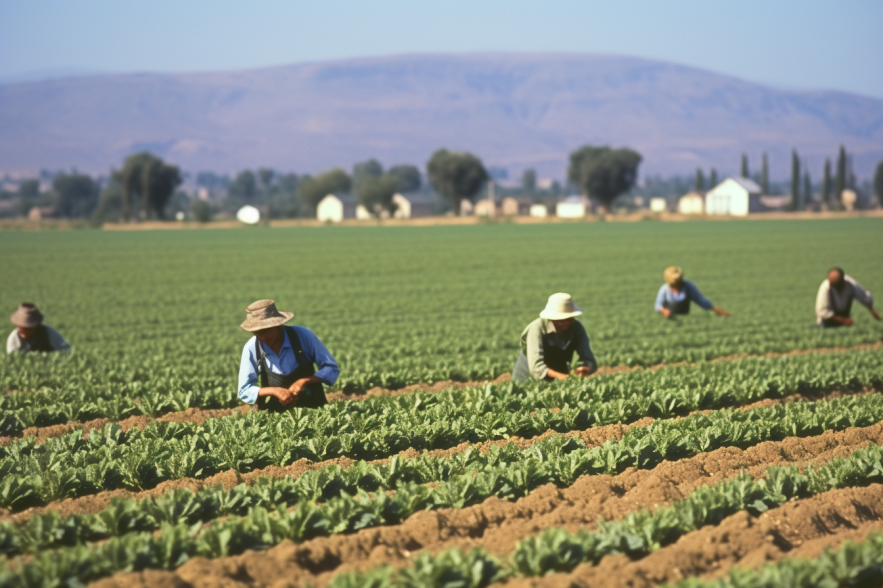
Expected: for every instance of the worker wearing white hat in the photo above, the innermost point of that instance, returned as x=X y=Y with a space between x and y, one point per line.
x=549 y=342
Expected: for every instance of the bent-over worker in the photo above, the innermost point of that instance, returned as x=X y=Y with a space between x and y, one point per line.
x=549 y=342
x=30 y=334
x=277 y=371
x=676 y=294
x=834 y=300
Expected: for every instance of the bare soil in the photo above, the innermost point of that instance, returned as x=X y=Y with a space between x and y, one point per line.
x=592 y=437
x=498 y=525
x=199 y=416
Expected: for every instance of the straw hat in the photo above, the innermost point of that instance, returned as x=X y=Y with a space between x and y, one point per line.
x=263 y=315
x=672 y=275
x=27 y=315
x=559 y=307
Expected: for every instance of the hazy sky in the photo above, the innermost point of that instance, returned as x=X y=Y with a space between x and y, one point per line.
x=805 y=44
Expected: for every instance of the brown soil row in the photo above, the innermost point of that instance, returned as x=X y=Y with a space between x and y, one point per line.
x=797 y=529
x=498 y=525
x=199 y=416
x=592 y=437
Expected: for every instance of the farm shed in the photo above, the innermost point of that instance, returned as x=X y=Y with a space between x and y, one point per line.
x=466 y=207
x=485 y=207
x=735 y=196
x=515 y=206
x=692 y=203
x=658 y=205
x=571 y=207
x=336 y=208
x=539 y=211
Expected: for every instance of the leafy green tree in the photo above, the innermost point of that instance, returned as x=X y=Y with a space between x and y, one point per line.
x=765 y=175
x=76 y=195
x=840 y=179
x=365 y=170
x=826 y=184
x=456 y=175
x=744 y=165
x=29 y=188
x=713 y=180
x=266 y=176
x=878 y=182
x=603 y=173
x=311 y=190
x=145 y=175
x=375 y=193
x=529 y=181
x=796 y=203
x=244 y=186
x=408 y=176
x=699 y=184
x=202 y=210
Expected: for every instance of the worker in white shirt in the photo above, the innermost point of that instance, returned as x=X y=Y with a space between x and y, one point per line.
x=834 y=300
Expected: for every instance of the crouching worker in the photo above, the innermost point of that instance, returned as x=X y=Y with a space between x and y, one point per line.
x=834 y=300
x=549 y=342
x=30 y=334
x=277 y=368
x=676 y=294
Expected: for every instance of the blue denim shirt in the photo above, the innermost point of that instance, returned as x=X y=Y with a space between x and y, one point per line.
x=284 y=363
x=666 y=295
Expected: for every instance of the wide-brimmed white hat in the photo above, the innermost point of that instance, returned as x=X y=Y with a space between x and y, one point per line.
x=559 y=307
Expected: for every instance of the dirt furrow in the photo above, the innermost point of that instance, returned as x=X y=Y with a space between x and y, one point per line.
x=592 y=437
x=800 y=528
x=497 y=525
x=199 y=416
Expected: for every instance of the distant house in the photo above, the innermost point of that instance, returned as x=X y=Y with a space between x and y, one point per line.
x=571 y=207
x=515 y=206
x=412 y=205
x=484 y=207
x=658 y=205
x=848 y=198
x=733 y=196
x=692 y=203
x=466 y=207
x=539 y=210
x=336 y=208
x=41 y=212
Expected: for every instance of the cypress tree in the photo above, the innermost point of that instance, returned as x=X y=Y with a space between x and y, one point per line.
x=840 y=180
x=744 y=166
x=796 y=203
x=807 y=188
x=713 y=181
x=699 y=186
x=765 y=176
x=826 y=184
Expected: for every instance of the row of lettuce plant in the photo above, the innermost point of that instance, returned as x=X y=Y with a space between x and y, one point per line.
x=88 y=397
x=462 y=479
x=554 y=550
x=109 y=458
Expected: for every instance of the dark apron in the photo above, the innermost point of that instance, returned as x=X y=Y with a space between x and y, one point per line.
x=845 y=313
x=38 y=341
x=555 y=358
x=311 y=395
x=680 y=307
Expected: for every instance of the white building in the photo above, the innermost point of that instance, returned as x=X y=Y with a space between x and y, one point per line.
x=571 y=207
x=734 y=196
x=515 y=206
x=539 y=211
x=466 y=207
x=691 y=203
x=658 y=205
x=485 y=207
x=334 y=209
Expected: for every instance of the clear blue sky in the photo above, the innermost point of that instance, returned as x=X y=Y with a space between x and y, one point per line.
x=806 y=44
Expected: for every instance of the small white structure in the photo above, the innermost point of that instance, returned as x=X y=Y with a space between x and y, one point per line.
x=515 y=206
x=658 y=205
x=403 y=206
x=333 y=209
x=571 y=207
x=733 y=196
x=466 y=207
x=539 y=211
x=248 y=215
x=848 y=199
x=691 y=203
x=484 y=207
x=362 y=213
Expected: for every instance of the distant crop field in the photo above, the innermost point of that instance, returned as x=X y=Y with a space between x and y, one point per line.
x=703 y=448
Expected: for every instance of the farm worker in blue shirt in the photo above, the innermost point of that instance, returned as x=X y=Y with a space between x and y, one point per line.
x=549 y=342
x=676 y=294
x=277 y=368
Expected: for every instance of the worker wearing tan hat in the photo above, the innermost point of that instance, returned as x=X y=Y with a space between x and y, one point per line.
x=549 y=342
x=31 y=334
x=277 y=371
x=676 y=294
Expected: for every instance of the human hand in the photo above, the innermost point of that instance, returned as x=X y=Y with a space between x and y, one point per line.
x=847 y=322
x=874 y=314
x=583 y=371
x=720 y=311
x=284 y=396
x=665 y=312
x=298 y=386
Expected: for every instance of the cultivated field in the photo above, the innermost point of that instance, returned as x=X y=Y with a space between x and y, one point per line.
x=741 y=451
